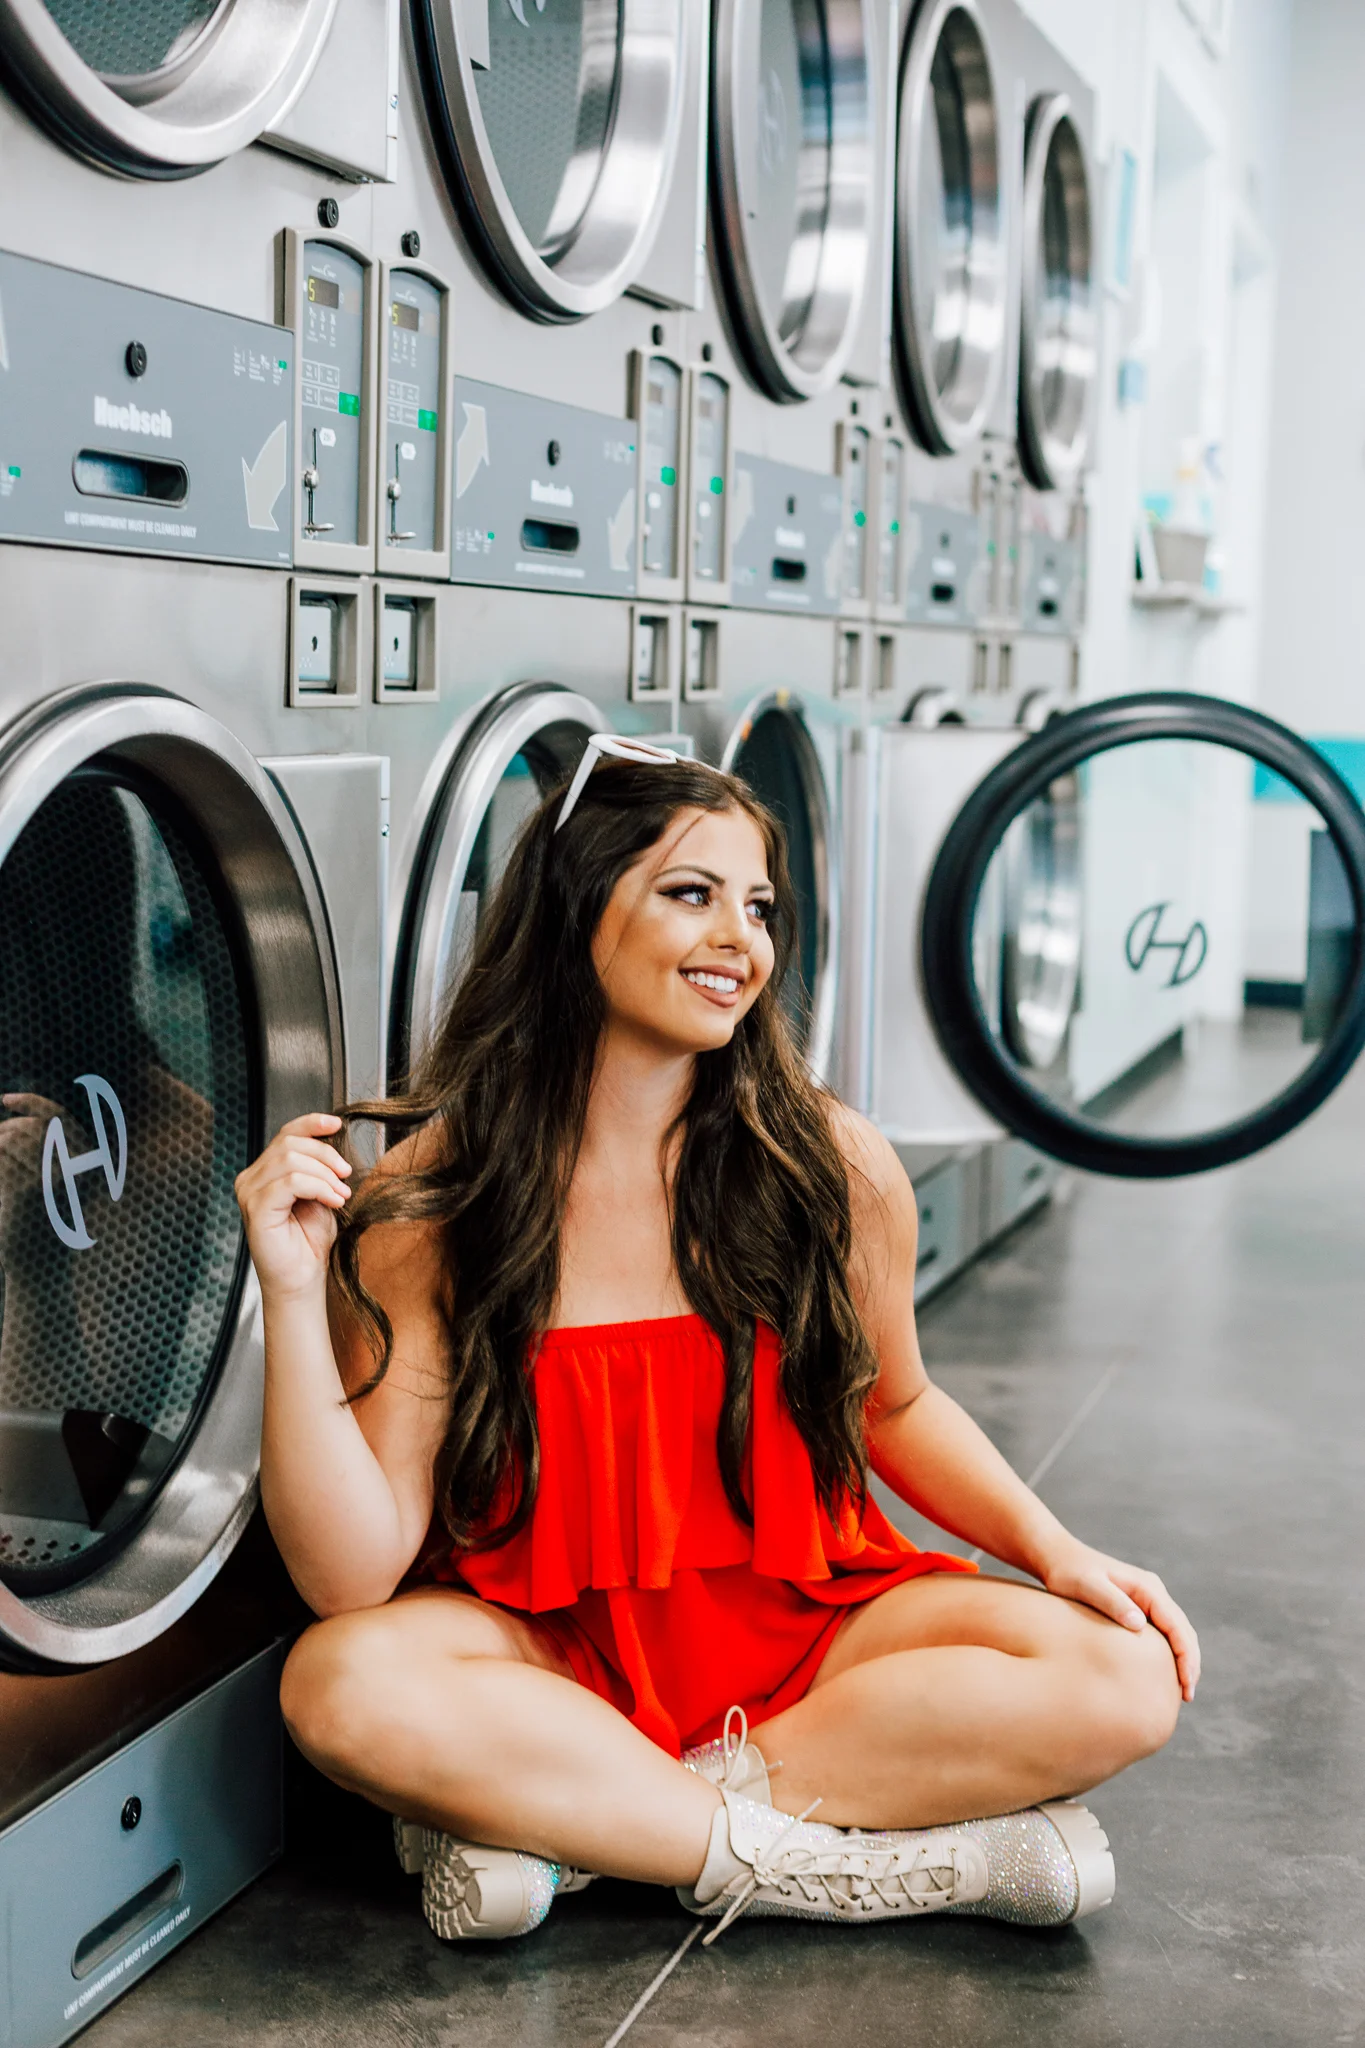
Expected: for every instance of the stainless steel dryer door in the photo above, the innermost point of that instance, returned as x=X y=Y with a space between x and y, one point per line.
x=159 y=88
x=1058 y=361
x=1142 y=944
x=557 y=125
x=772 y=749
x=793 y=134
x=167 y=999
x=515 y=748
x=951 y=250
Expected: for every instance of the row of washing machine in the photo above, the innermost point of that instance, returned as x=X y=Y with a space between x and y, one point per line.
x=391 y=395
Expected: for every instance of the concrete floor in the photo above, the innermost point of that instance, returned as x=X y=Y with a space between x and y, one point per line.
x=1186 y=1362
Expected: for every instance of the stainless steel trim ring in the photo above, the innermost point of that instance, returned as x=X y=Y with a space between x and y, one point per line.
x=600 y=220
x=1044 y=916
x=265 y=875
x=556 y=722
x=1057 y=354
x=793 y=130
x=234 y=78
x=819 y=1046
x=951 y=275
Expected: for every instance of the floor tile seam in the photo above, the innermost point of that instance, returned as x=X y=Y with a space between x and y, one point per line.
x=1076 y=1423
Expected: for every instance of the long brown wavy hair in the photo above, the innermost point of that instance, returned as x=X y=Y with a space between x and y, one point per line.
x=759 y=1199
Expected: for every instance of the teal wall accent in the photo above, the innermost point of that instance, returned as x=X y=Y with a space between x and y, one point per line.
x=1346 y=756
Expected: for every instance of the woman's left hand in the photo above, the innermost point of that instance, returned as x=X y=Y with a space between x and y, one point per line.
x=1128 y=1596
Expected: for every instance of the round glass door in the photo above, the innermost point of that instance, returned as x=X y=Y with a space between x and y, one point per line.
x=773 y=751
x=950 y=248
x=793 y=104
x=557 y=124
x=158 y=927
x=159 y=88
x=1057 y=353
x=515 y=749
x=1143 y=939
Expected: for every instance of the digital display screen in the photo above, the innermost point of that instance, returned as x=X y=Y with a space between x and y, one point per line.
x=322 y=292
x=404 y=316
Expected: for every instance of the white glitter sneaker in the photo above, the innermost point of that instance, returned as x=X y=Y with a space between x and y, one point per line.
x=470 y=1892
x=1039 y=1868
x=733 y=1762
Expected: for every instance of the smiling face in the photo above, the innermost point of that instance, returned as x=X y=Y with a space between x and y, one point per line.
x=683 y=947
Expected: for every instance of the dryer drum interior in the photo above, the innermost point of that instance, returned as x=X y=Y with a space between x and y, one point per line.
x=1042 y=905
x=773 y=752
x=793 y=132
x=521 y=744
x=159 y=88
x=158 y=936
x=1057 y=353
x=557 y=125
x=950 y=249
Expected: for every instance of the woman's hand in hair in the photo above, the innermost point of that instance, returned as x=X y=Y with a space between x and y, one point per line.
x=289 y=1198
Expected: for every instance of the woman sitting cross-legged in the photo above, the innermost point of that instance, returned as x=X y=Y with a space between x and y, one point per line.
x=571 y=1450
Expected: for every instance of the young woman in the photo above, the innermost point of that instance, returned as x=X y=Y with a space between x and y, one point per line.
x=572 y=1459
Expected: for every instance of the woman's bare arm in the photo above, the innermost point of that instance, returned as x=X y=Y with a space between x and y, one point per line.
x=929 y=1451
x=347 y=1488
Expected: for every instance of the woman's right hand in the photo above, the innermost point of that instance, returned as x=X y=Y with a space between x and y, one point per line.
x=289 y=1198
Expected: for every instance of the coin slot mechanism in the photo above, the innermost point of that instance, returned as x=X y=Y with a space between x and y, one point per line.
x=701 y=660
x=104 y=473
x=654 y=638
x=786 y=569
x=325 y=651
x=848 y=664
x=886 y=664
x=405 y=666
x=548 y=537
x=110 y=1934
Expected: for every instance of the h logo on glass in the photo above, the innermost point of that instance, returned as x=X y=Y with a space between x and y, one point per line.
x=1144 y=938
x=111 y=1159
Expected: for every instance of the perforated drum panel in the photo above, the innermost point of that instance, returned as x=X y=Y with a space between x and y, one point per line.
x=131 y=41
x=767 y=760
x=127 y=1113
x=547 y=99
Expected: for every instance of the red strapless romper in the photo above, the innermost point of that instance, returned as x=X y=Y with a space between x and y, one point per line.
x=662 y=1601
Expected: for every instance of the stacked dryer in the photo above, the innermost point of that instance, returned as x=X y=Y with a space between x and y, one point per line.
x=977 y=621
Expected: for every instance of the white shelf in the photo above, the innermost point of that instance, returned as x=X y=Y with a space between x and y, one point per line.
x=1192 y=597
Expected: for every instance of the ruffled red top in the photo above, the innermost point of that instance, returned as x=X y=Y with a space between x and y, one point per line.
x=659 y=1596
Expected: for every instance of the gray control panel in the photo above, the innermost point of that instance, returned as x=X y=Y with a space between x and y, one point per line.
x=710 y=452
x=129 y=420
x=545 y=494
x=943 y=556
x=787 y=540
x=1052 y=580
x=413 y=426
x=331 y=390
x=890 y=549
x=857 y=469
x=661 y=411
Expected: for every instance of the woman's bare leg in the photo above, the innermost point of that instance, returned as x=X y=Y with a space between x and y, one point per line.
x=950 y=1697
x=462 y=1716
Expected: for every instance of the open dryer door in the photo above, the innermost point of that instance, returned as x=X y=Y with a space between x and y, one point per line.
x=167 y=999
x=1142 y=942
x=514 y=749
x=771 y=748
x=159 y=88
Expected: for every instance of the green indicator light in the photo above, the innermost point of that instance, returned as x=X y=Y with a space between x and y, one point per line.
x=281 y=364
x=349 y=402
x=717 y=486
x=668 y=474
x=427 y=420
x=632 y=447
x=15 y=470
x=895 y=526
x=492 y=536
x=860 y=519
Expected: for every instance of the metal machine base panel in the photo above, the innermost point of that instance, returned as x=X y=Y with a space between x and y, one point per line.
x=102 y=1881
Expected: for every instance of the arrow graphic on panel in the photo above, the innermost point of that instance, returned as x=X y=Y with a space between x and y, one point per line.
x=471 y=450
x=621 y=534
x=264 y=481
x=744 y=503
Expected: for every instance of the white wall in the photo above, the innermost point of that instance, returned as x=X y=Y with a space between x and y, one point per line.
x=1313 y=646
